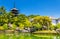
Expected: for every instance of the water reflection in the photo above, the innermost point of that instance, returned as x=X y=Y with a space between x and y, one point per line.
x=27 y=36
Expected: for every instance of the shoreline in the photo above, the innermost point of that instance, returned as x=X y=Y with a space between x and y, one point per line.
x=37 y=32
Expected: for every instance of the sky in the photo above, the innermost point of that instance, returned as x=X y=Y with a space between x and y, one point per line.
x=35 y=7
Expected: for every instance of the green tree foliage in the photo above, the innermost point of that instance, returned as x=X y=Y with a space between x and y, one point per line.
x=52 y=27
x=58 y=25
x=22 y=20
x=43 y=20
x=32 y=16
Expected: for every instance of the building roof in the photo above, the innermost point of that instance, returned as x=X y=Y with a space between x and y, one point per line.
x=14 y=9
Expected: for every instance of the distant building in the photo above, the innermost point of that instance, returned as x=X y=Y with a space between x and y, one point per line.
x=55 y=20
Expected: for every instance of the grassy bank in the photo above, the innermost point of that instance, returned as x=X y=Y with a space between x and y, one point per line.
x=45 y=32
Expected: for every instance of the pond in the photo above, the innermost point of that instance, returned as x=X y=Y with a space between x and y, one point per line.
x=28 y=36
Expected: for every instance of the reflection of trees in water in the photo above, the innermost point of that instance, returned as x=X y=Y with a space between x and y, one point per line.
x=57 y=37
x=48 y=37
x=29 y=36
x=8 y=36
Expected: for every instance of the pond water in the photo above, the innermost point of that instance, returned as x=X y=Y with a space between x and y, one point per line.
x=28 y=36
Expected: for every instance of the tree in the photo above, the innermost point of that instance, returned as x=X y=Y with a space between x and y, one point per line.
x=43 y=20
x=37 y=26
x=2 y=10
x=52 y=27
x=58 y=25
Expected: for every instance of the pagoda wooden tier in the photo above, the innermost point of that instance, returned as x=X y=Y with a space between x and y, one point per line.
x=14 y=11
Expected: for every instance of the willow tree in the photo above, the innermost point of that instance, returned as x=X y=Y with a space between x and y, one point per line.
x=43 y=20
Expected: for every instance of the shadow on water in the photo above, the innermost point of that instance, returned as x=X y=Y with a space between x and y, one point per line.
x=27 y=36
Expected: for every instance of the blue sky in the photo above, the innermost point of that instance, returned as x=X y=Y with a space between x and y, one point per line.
x=36 y=7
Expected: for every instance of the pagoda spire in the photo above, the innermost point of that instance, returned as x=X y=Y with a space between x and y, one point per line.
x=14 y=10
x=14 y=4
